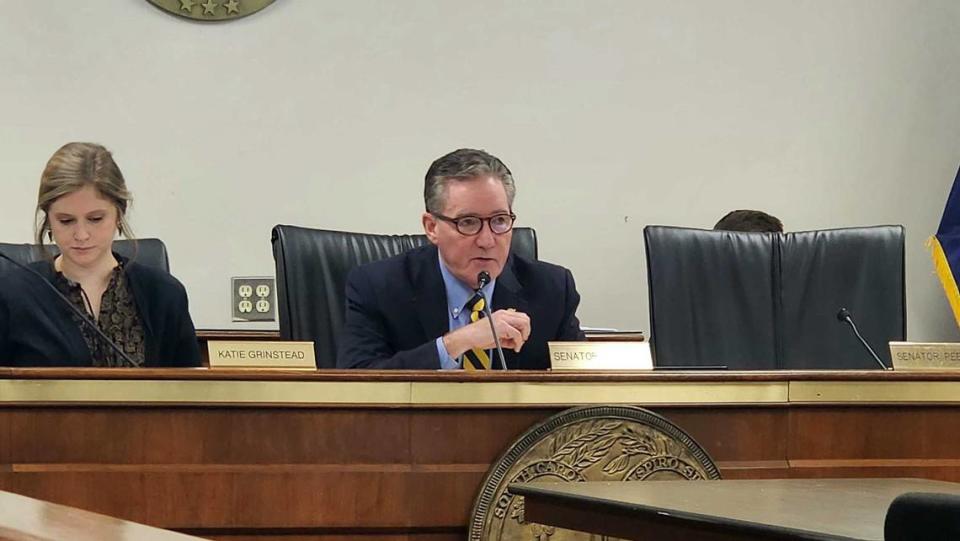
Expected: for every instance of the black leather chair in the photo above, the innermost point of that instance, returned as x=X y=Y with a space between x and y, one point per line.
x=312 y=267
x=712 y=297
x=922 y=516
x=150 y=252
x=769 y=300
x=861 y=269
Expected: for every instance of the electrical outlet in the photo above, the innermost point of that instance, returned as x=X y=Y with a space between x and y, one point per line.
x=254 y=298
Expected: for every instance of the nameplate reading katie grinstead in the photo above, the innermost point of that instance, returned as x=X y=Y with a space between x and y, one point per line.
x=925 y=355
x=259 y=354
x=600 y=356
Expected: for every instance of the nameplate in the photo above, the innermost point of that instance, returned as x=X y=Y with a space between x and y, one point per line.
x=925 y=355
x=600 y=356
x=261 y=354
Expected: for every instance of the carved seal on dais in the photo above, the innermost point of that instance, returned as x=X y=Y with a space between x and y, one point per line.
x=211 y=10
x=596 y=443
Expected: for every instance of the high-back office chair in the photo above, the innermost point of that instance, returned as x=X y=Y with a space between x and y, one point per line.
x=922 y=516
x=312 y=268
x=769 y=300
x=712 y=297
x=150 y=252
x=861 y=269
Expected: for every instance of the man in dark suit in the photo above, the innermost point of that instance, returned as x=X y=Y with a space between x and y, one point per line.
x=420 y=310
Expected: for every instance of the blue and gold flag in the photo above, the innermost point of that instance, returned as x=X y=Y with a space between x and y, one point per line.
x=945 y=248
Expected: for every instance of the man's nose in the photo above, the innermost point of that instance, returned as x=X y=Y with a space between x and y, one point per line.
x=486 y=238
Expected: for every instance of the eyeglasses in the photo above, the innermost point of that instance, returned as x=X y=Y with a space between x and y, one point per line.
x=472 y=225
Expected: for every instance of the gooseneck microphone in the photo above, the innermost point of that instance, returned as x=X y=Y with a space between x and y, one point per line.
x=844 y=316
x=483 y=278
x=85 y=318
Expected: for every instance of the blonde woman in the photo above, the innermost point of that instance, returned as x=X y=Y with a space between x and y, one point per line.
x=141 y=312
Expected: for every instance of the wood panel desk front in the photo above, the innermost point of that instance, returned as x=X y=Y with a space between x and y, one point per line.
x=772 y=509
x=334 y=455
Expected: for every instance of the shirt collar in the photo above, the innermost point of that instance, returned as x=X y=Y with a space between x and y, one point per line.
x=459 y=293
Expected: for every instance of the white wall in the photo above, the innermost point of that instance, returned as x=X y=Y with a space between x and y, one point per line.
x=612 y=115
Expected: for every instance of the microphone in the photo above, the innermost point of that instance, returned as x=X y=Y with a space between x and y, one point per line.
x=483 y=278
x=844 y=316
x=85 y=318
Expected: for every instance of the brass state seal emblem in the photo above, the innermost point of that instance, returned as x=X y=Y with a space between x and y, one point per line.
x=211 y=10
x=595 y=443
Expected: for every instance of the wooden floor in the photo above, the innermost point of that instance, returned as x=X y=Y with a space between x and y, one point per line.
x=400 y=455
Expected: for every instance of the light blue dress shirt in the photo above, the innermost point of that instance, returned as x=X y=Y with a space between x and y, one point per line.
x=458 y=294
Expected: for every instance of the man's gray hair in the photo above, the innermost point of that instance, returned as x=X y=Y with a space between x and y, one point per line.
x=463 y=164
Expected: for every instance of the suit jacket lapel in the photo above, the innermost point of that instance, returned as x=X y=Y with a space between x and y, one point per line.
x=428 y=293
x=508 y=293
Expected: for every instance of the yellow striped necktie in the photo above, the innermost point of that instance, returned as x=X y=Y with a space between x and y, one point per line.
x=476 y=359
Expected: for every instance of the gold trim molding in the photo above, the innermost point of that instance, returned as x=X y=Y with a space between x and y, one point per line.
x=415 y=393
x=588 y=393
x=874 y=391
x=202 y=392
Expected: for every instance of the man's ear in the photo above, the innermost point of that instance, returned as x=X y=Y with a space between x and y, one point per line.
x=430 y=224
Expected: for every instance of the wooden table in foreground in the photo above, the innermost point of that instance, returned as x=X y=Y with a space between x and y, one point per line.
x=336 y=455
x=783 y=509
x=28 y=519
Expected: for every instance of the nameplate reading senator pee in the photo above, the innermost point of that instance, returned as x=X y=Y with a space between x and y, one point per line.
x=257 y=354
x=925 y=355
x=600 y=356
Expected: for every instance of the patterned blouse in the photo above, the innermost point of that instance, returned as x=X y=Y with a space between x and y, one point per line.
x=119 y=319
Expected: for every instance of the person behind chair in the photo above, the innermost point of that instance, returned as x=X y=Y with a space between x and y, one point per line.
x=419 y=309
x=749 y=220
x=82 y=206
